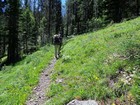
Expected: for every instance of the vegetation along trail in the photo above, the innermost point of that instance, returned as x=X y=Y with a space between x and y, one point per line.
x=38 y=96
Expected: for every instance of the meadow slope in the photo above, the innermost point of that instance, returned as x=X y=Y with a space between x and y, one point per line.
x=17 y=81
x=102 y=65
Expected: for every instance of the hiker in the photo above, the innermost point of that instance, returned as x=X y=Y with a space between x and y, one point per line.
x=57 y=41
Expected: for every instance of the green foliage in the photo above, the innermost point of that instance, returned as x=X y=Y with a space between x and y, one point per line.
x=28 y=31
x=88 y=15
x=3 y=35
x=42 y=31
x=95 y=23
x=90 y=63
x=18 y=81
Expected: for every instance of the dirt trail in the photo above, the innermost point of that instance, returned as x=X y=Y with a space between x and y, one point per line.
x=38 y=96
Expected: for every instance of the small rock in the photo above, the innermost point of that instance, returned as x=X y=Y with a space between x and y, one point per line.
x=127 y=77
x=124 y=75
x=131 y=75
x=134 y=72
x=31 y=100
x=87 y=102
x=46 y=75
x=59 y=80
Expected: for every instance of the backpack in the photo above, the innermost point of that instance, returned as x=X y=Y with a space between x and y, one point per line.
x=57 y=40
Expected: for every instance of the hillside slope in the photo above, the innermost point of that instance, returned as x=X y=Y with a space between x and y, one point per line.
x=17 y=81
x=102 y=65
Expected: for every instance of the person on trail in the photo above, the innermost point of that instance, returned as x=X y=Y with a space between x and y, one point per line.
x=57 y=41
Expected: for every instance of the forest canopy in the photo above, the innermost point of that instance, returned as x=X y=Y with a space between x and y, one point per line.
x=26 y=25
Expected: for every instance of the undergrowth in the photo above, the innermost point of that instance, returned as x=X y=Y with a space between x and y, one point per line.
x=102 y=65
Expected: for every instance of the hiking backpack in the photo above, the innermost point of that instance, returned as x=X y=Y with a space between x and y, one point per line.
x=57 y=40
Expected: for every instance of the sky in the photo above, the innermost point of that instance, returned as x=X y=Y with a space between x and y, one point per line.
x=63 y=7
x=63 y=2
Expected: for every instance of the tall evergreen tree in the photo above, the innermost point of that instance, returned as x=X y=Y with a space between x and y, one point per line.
x=58 y=16
x=49 y=21
x=114 y=10
x=3 y=28
x=138 y=7
x=13 y=48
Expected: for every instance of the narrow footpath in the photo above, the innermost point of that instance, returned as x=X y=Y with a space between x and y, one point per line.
x=38 y=97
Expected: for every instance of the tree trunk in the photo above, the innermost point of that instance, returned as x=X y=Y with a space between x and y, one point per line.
x=13 y=54
x=137 y=7
x=67 y=24
x=49 y=24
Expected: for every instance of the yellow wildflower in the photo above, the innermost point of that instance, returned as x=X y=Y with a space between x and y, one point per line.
x=113 y=103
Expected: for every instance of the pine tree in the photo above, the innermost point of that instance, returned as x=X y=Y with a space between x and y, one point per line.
x=58 y=16
x=49 y=21
x=138 y=7
x=28 y=31
x=3 y=28
x=13 y=48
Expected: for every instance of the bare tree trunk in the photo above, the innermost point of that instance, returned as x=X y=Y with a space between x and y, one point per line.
x=137 y=3
x=49 y=24
x=13 y=54
x=67 y=24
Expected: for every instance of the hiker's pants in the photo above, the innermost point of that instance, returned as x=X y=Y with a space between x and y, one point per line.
x=57 y=51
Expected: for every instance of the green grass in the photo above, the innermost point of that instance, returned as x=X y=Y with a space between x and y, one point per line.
x=88 y=63
x=91 y=60
x=17 y=82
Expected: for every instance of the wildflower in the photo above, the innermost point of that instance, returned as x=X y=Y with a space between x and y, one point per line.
x=96 y=78
x=113 y=103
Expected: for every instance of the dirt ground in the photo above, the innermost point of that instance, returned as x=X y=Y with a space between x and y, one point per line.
x=38 y=96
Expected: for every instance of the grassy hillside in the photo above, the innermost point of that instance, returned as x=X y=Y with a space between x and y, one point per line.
x=16 y=82
x=102 y=65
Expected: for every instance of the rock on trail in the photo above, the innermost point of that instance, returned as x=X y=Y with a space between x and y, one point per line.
x=86 y=102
